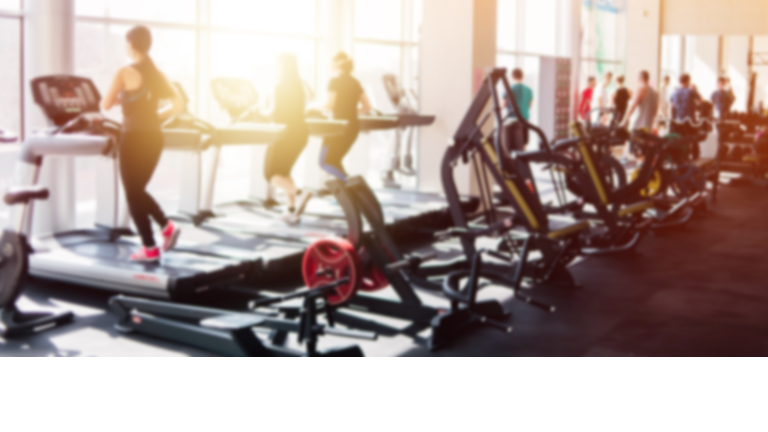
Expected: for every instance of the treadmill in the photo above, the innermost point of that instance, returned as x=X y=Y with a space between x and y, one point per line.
x=250 y=225
x=405 y=102
x=239 y=99
x=196 y=197
x=99 y=257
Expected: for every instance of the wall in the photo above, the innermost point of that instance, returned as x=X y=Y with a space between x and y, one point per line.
x=714 y=17
x=446 y=62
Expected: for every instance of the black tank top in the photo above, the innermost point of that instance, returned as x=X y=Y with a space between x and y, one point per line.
x=140 y=105
x=621 y=99
x=348 y=91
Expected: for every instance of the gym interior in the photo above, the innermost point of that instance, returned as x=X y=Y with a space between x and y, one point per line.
x=383 y=178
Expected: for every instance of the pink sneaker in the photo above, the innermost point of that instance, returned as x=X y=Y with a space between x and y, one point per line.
x=146 y=255
x=171 y=236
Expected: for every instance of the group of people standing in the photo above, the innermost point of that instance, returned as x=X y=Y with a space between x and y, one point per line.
x=650 y=104
x=141 y=89
x=624 y=102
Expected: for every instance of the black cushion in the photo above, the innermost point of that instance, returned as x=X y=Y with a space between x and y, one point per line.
x=23 y=195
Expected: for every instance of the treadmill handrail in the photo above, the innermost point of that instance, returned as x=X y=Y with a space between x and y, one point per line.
x=77 y=144
x=247 y=134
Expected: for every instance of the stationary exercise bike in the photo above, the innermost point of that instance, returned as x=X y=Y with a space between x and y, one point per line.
x=14 y=266
x=575 y=166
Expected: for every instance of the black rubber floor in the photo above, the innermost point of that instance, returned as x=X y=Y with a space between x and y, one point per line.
x=697 y=291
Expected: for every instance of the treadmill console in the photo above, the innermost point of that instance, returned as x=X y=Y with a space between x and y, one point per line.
x=7 y=137
x=64 y=97
x=235 y=95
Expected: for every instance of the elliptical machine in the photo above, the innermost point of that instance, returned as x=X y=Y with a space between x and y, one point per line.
x=14 y=267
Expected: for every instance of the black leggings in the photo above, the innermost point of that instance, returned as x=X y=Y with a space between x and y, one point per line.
x=139 y=154
x=335 y=148
x=282 y=154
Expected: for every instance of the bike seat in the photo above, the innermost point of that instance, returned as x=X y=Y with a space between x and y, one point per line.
x=25 y=194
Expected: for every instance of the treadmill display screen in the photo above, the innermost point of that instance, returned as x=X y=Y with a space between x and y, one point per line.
x=236 y=95
x=64 y=97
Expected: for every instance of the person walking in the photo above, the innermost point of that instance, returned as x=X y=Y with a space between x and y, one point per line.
x=645 y=102
x=139 y=88
x=685 y=100
x=620 y=100
x=585 y=104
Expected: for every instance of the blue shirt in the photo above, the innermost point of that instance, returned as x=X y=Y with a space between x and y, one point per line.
x=523 y=97
x=684 y=102
x=722 y=101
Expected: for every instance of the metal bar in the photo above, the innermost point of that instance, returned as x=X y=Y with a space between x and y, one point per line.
x=531 y=54
x=186 y=26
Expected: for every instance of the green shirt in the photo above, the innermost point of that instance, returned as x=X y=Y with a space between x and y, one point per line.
x=523 y=97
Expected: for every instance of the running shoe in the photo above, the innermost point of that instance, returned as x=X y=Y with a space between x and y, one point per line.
x=171 y=236
x=146 y=255
x=291 y=218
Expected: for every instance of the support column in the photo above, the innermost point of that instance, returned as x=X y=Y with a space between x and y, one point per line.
x=575 y=36
x=49 y=44
x=643 y=39
x=736 y=67
x=458 y=44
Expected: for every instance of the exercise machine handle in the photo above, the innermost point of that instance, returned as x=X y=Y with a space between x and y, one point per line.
x=504 y=225
x=299 y=294
x=413 y=261
x=351 y=334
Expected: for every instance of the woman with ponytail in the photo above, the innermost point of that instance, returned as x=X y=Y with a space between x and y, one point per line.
x=139 y=88
x=289 y=105
x=346 y=98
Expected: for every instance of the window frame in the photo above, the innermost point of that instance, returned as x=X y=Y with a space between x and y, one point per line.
x=203 y=30
x=19 y=16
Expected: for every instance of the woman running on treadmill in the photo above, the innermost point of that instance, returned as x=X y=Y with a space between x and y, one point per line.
x=139 y=88
x=289 y=106
x=346 y=98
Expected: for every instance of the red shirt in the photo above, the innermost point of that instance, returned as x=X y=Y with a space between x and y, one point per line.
x=586 y=103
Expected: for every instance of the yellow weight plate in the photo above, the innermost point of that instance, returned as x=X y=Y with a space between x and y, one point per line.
x=654 y=184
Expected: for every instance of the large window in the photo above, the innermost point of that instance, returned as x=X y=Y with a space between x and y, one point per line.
x=178 y=11
x=603 y=38
x=532 y=27
x=386 y=37
x=528 y=30
x=10 y=90
x=198 y=40
x=195 y=41
x=10 y=5
x=672 y=59
x=10 y=59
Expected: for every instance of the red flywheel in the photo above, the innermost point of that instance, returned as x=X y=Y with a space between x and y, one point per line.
x=328 y=260
x=373 y=280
